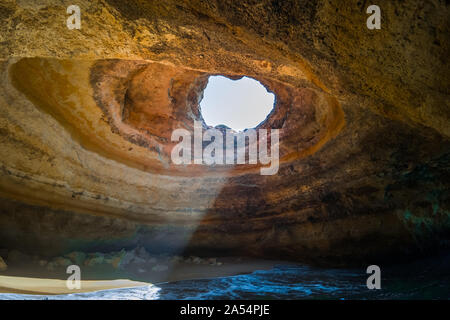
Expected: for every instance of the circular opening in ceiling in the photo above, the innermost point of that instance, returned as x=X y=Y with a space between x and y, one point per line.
x=236 y=104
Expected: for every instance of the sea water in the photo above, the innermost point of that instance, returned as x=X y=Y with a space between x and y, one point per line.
x=425 y=279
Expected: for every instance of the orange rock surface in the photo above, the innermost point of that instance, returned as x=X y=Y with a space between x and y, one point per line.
x=86 y=118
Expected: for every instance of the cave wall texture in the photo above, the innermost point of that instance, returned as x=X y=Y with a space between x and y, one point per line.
x=86 y=117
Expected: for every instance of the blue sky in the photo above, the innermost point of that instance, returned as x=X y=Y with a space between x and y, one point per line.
x=238 y=104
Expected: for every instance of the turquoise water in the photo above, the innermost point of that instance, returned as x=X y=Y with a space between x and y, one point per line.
x=426 y=279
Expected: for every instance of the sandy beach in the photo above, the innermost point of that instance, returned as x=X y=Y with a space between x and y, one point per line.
x=28 y=285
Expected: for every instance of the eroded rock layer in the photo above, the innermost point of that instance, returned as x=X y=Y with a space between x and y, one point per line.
x=86 y=118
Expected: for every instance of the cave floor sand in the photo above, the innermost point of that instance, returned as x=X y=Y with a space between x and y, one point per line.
x=28 y=285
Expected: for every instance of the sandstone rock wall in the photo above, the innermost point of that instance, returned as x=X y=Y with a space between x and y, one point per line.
x=86 y=117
